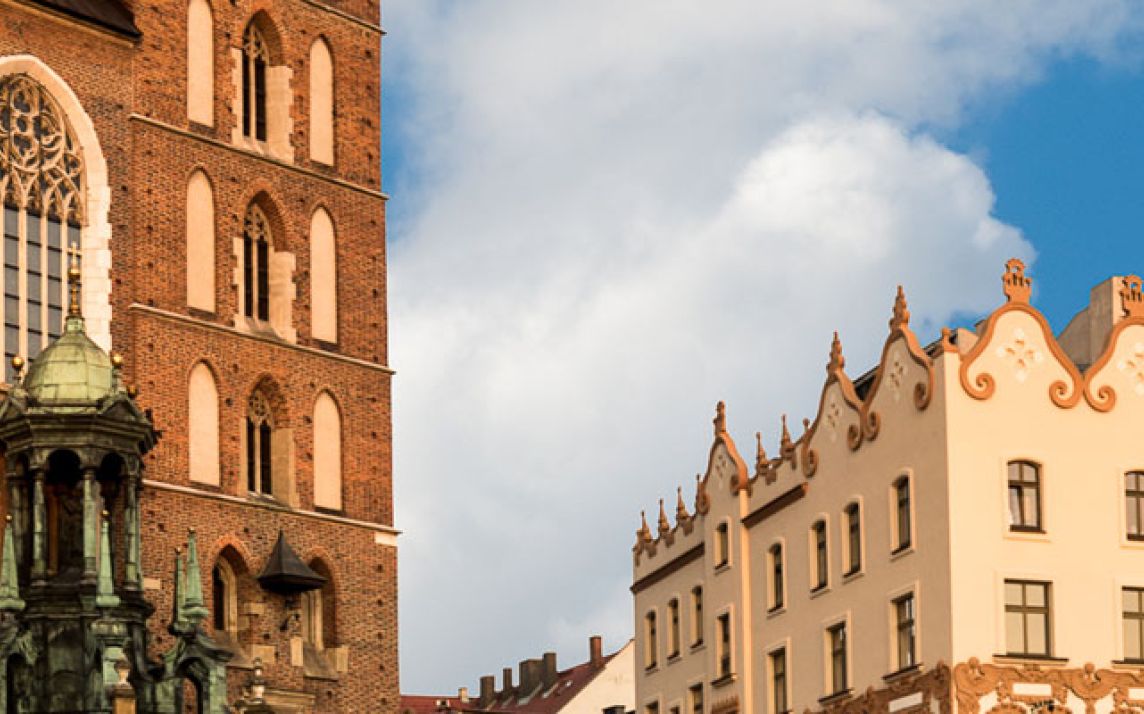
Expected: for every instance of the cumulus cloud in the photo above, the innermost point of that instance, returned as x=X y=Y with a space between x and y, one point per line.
x=610 y=215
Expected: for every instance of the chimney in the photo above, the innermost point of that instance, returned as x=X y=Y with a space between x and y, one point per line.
x=529 y=676
x=506 y=673
x=596 y=650
x=488 y=690
x=548 y=670
x=1084 y=337
x=463 y=695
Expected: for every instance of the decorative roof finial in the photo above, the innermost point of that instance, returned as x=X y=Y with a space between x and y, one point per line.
x=105 y=596
x=901 y=316
x=837 y=361
x=784 y=440
x=720 y=418
x=1131 y=298
x=664 y=524
x=74 y=282
x=643 y=535
x=702 y=502
x=1016 y=286
x=10 y=600
x=761 y=460
x=681 y=513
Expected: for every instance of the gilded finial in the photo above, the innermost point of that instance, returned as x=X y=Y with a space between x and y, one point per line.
x=1131 y=298
x=720 y=418
x=901 y=316
x=664 y=524
x=74 y=276
x=1016 y=286
x=116 y=360
x=17 y=364
x=132 y=391
x=837 y=361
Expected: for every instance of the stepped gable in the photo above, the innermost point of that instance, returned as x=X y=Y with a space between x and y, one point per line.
x=110 y=14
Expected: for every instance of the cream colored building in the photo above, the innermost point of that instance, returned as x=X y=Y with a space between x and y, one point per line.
x=961 y=527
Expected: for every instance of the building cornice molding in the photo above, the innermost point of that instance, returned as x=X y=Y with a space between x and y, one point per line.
x=773 y=506
x=310 y=173
x=668 y=568
x=208 y=325
x=365 y=24
x=227 y=498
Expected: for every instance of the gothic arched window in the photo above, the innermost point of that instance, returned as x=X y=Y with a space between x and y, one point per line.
x=259 y=455
x=42 y=185
x=255 y=62
x=256 y=264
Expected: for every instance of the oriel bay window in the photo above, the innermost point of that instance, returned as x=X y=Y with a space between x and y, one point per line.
x=1028 y=621
x=1024 y=496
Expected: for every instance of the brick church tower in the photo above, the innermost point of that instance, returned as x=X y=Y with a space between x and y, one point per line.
x=217 y=163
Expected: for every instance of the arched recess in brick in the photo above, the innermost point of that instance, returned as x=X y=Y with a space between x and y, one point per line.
x=203 y=423
x=327 y=453
x=263 y=92
x=323 y=278
x=268 y=445
x=319 y=610
x=200 y=242
x=321 y=103
x=200 y=62
x=229 y=576
x=95 y=229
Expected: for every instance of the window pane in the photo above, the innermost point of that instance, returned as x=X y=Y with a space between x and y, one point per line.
x=1035 y=595
x=1132 y=639
x=1014 y=594
x=1130 y=515
x=1130 y=599
x=1031 y=498
x=1036 y=623
x=1014 y=632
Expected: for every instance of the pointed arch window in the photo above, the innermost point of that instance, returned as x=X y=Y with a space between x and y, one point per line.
x=256 y=238
x=259 y=437
x=43 y=187
x=255 y=62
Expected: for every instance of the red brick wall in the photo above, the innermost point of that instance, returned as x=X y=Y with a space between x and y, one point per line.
x=149 y=163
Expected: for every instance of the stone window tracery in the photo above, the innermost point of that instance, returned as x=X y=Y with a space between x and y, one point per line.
x=256 y=239
x=43 y=189
x=255 y=62
x=259 y=455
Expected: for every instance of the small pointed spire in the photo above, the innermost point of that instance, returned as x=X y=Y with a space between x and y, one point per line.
x=74 y=282
x=785 y=441
x=105 y=587
x=701 y=499
x=761 y=460
x=720 y=418
x=837 y=361
x=178 y=621
x=643 y=535
x=664 y=524
x=901 y=316
x=193 y=608
x=681 y=513
x=9 y=583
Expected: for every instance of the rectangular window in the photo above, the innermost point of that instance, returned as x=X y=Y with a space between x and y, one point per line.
x=853 y=538
x=779 y=682
x=904 y=517
x=906 y=628
x=697 y=616
x=1027 y=618
x=724 y=624
x=777 y=584
x=1134 y=505
x=673 y=635
x=836 y=642
x=722 y=546
x=695 y=697
x=818 y=533
x=1024 y=496
x=651 y=642
x=1133 y=599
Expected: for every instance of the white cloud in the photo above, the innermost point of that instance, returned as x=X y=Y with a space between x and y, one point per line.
x=615 y=214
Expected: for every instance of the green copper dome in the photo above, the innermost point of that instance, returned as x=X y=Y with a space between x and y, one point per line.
x=72 y=370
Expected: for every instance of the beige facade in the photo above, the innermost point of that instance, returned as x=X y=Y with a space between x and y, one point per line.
x=961 y=526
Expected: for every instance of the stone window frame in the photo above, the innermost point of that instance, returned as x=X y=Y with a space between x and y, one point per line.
x=651 y=639
x=696 y=609
x=724 y=646
x=1134 y=496
x=1020 y=486
x=776 y=577
x=280 y=288
x=1024 y=610
x=278 y=94
x=818 y=554
x=895 y=597
x=902 y=500
x=782 y=646
x=675 y=628
x=852 y=526
x=837 y=651
x=722 y=540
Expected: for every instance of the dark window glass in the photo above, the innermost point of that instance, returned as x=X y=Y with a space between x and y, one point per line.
x=820 y=561
x=837 y=642
x=696 y=696
x=651 y=642
x=697 y=616
x=263 y=264
x=903 y=521
x=906 y=630
x=1024 y=496
x=251 y=460
x=724 y=645
x=218 y=588
x=673 y=639
x=779 y=682
x=1027 y=618
x=722 y=547
x=264 y=457
x=260 y=99
x=247 y=275
x=854 y=538
x=777 y=585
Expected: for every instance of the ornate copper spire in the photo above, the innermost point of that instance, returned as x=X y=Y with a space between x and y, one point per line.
x=1016 y=286
x=1131 y=298
x=901 y=316
x=74 y=282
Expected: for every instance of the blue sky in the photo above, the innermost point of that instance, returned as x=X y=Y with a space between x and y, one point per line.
x=597 y=231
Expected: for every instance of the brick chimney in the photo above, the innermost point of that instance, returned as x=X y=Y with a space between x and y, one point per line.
x=463 y=695
x=596 y=650
x=548 y=673
x=529 y=676
x=1084 y=337
x=506 y=675
x=488 y=690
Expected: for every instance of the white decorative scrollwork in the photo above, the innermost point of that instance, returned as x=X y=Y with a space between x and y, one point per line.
x=1134 y=365
x=41 y=163
x=1022 y=353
